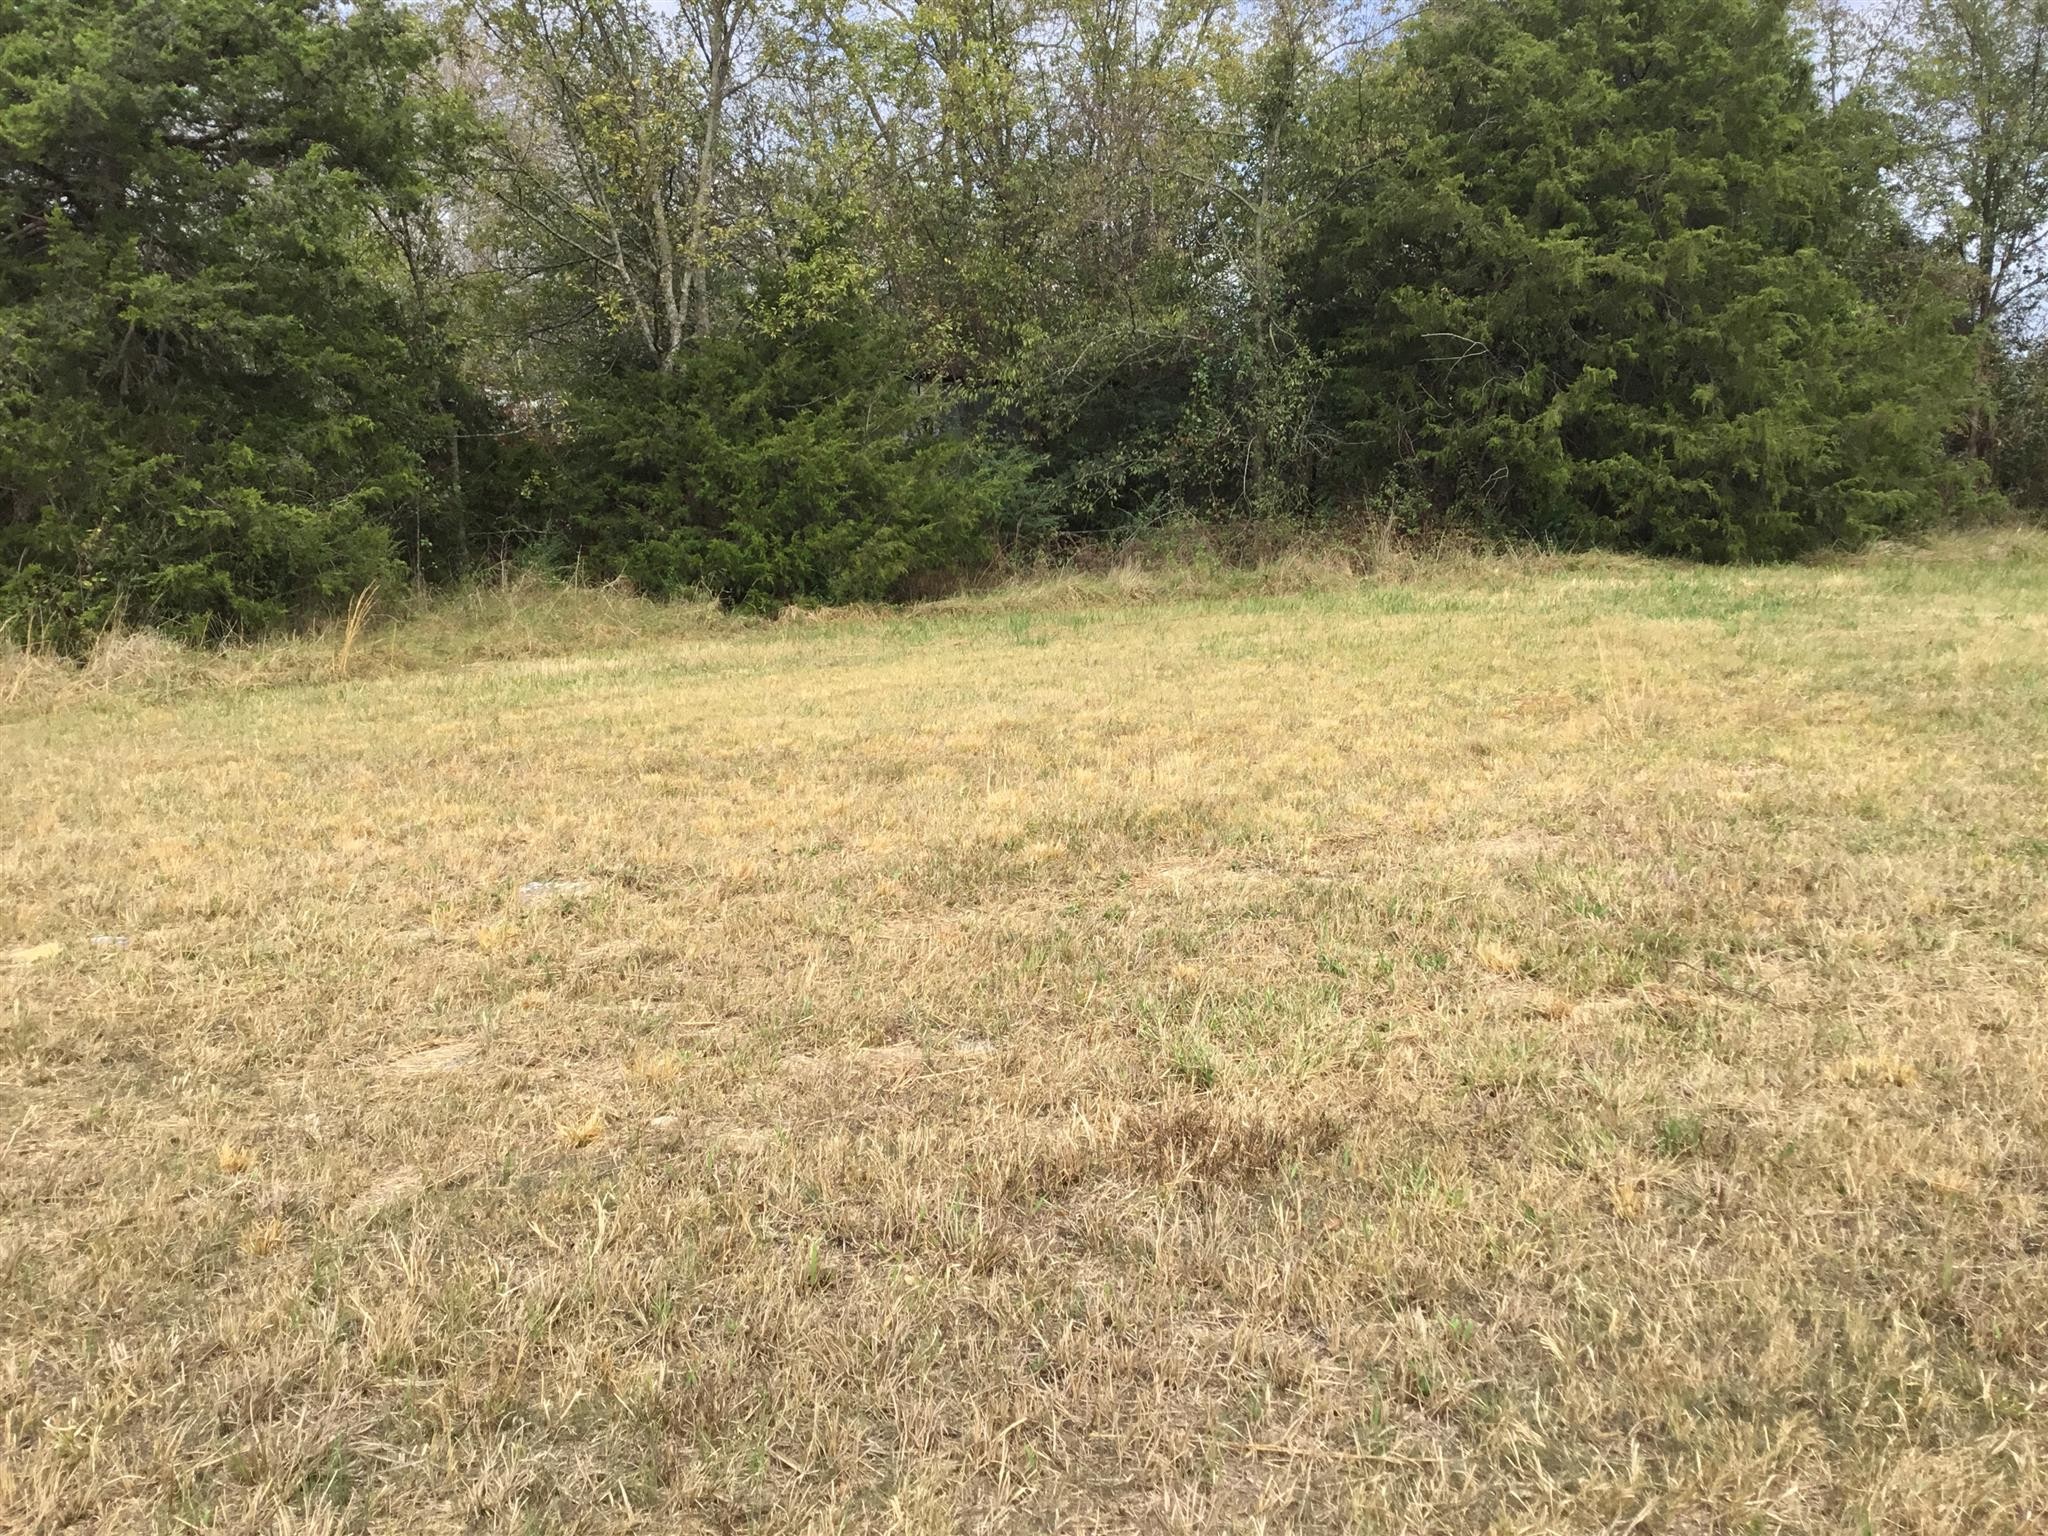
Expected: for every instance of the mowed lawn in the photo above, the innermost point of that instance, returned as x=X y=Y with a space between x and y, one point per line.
x=1543 y=1045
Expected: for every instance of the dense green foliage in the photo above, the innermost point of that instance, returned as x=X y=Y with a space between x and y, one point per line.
x=787 y=465
x=817 y=299
x=2020 y=402
x=1591 y=288
x=209 y=409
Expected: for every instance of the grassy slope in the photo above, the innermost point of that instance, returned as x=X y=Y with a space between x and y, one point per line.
x=1522 y=1047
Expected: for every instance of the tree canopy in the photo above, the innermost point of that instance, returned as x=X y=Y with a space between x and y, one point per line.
x=781 y=299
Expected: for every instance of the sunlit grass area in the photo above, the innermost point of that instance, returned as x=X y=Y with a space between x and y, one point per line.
x=1498 y=1045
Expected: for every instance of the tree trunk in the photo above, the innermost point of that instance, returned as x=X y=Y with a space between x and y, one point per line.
x=696 y=282
x=672 y=304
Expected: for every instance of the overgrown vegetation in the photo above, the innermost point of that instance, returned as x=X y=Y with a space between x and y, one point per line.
x=1505 y=1049
x=1600 y=292
x=815 y=299
x=213 y=410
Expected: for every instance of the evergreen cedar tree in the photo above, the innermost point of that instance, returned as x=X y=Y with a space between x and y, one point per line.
x=1596 y=271
x=208 y=412
x=1595 y=286
x=793 y=461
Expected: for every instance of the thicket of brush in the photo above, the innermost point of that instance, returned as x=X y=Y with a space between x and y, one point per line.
x=798 y=300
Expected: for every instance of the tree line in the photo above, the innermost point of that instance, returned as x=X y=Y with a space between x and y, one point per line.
x=823 y=299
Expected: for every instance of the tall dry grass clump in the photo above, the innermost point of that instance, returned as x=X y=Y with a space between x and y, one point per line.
x=359 y=610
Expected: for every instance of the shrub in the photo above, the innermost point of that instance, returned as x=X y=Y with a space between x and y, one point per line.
x=787 y=465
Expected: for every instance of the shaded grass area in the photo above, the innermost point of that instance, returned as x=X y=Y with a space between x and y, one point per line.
x=1534 y=1045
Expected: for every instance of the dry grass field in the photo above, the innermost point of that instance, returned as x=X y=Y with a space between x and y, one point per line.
x=1524 y=1045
